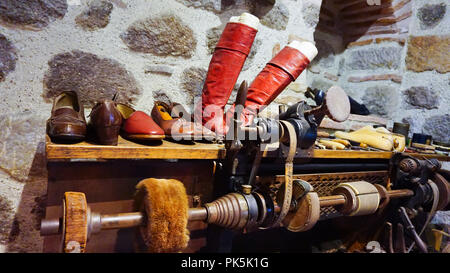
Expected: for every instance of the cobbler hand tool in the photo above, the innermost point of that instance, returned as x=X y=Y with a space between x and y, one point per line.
x=234 y=136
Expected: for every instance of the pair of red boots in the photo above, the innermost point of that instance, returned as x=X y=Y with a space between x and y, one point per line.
x=226 y=64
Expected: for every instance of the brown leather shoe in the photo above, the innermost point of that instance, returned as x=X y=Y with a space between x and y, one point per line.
x=176 y=127
x=106 y=121
x=67 y=121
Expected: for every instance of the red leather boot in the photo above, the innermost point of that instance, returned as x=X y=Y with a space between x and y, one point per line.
x=283 y=69
x=229 y=56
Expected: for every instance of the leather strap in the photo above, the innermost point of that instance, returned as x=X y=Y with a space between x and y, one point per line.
x=288 y=173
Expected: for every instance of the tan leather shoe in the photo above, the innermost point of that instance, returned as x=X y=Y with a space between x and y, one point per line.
x=67 y=121
x=106 y=121
x=178 y=128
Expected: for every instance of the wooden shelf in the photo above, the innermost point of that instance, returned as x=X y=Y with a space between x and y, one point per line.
x=131 y=150
x=190 y=150
x=369 y=154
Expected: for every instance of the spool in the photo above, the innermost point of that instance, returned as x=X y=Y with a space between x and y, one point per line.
x=362 y=198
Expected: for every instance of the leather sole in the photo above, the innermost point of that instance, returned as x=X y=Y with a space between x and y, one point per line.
x=67 y=131
x=143 y=136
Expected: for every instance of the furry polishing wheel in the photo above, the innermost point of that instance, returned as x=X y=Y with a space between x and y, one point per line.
x=165 y=204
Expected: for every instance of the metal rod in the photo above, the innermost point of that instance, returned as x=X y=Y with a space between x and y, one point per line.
x=333 y=200
x=197 y=214
x=117 y=221
x=50 y=226
x=400 y=193
x=121 y=220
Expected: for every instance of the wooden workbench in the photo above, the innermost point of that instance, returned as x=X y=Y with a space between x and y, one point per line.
x=108 y=176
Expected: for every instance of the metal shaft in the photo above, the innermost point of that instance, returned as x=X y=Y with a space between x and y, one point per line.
x=335 y=200
x=116 y=221
x=121 y=220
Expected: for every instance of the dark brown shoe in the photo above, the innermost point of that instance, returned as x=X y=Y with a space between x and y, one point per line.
x=67 y=121
x=105 y=122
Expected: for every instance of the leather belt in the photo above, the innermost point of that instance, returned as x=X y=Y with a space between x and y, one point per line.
x=288 y=173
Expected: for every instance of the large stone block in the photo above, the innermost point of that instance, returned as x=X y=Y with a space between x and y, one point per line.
x=422 y=97
x=32 y=13
x=380 y=100
x=368 y=59
x=431 y=15
x=192 y=81
x=212 y=37
x=163 y=36
x=95 y=16
x=160 y=95
x=310 y=13
x=320 y=84
x=325 y=56
x=255 y=47
x=439 y=127
x=428 y=53
x=8 y=57
x=211 y=5
x=21 y=145
x=92 y=77
x=277 y=18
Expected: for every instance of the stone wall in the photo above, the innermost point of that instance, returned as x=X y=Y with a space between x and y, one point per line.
x=150 y=49
x=143 y=49
x=403 y=76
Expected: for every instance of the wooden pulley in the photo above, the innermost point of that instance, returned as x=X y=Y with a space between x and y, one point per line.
x=444 y=191
x=362 y=198
x=75 y=222
x=306 y=215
